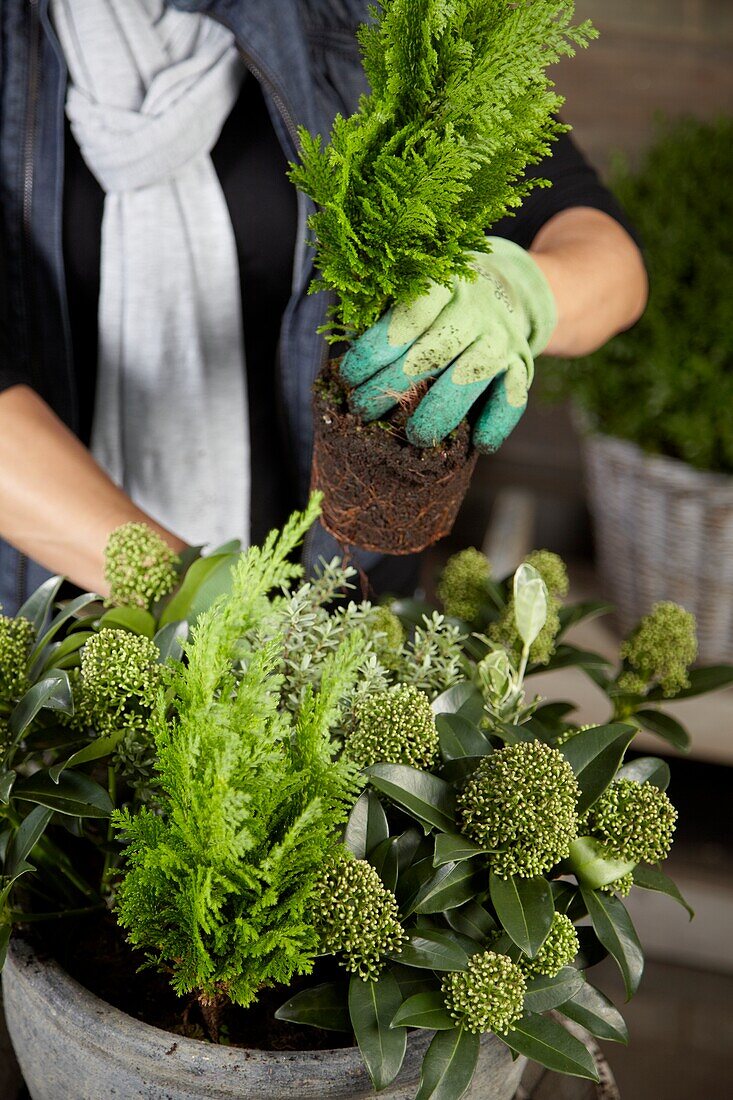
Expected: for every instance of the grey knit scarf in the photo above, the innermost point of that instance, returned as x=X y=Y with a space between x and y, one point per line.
x=150 y=89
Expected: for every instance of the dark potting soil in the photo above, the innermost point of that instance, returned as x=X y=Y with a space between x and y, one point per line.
x=95 y=952
x=380 y=491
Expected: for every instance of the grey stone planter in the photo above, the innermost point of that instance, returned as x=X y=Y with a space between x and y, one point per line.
x=71 y=1044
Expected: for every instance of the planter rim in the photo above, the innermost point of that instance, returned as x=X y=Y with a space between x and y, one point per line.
x=70 y=1001
x=674 y=472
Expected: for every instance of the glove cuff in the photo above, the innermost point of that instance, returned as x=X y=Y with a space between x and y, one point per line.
x=532 y=288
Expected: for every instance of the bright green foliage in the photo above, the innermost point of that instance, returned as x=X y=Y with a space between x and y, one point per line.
x=387 y=635
x=660 y=651
x=488 y=995
x=622 y=886
x=462 y=584
x=460 y=104
x=139 y=567
x=666 y=384
x=504 y=631
x=219 y=882
x=356 y=916
x=396 y=726
x=558 y=950
x=16 y=639
x=523 y=797
x=635 y=821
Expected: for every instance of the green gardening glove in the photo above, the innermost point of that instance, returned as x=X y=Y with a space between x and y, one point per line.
x=480 y=337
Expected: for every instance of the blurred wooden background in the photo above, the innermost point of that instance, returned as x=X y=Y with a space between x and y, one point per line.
x=669 y=56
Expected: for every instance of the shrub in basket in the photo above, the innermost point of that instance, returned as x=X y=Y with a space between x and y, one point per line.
x=347 y=822
x=459 y=105
x=656 y=399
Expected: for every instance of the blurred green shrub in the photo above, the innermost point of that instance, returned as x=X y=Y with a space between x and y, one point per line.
x=667 y=384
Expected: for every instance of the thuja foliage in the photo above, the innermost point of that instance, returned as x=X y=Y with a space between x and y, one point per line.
x=666 y=384
x=219 y=880
x=460 y=104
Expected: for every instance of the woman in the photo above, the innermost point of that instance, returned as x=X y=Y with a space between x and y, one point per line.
x=159 y=346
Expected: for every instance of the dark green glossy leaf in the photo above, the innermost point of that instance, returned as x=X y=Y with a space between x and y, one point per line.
x=449 y=1065
x=412 y=982
x=408 y=848
x=170 y=639
x=430 y=949
x=26 y=837
x=563 y=893
x=460 y=738
x=325 y=1006
x=133 y=619
x=546 y=1041
x=666 y=727
x=451 y=885
x=464 y=699
x=452 y=847
x=6 y=785
x=35 y=661
x=372 y=1007
x=593 y=1011
x=651 y=878
x=592 y=950
x=52 y=692
x=702 y=680
x=612 y=924
x=74 y=794
x=426 y=1010
x=647 y=769
x=595 y=756
x=545 y=993
x=412 y=612
x=471 y=920
x=367 y=825
x=5 y=931
x=569 y=656
x=384 y=861
x=206 y=580
x=37 y=607
x=427 y=797
x=57 y=655
x=550 y=714
x=582 y=612
x=95 y=750
x=525 y=908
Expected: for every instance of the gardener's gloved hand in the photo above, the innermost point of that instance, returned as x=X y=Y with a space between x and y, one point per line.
x=480 y=336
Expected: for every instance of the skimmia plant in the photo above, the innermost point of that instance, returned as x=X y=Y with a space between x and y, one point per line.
x=393 y=803
x=459 y=105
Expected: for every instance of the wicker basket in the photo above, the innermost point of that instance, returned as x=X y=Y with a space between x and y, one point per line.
x=664 y=531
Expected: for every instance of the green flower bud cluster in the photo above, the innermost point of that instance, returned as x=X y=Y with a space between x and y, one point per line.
x=622 y=886
x=16 y=640
x=356 y=916
x=635 y=821
x=558 y=950
x=552 y=569
x=396 y=726
x=140 y=567
x=522 y=799
x=488 y=995
x=462 y=584
x=387 y=635
x=660 y=651
x=119 y=675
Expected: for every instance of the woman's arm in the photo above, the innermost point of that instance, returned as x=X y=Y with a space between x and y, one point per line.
x=56 y=504
x=597 y=275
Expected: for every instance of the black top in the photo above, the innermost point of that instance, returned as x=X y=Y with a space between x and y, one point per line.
x=262 y=204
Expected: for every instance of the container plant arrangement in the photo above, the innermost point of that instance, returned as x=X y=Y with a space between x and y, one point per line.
x=459 y=105
x=659 y=446
x=353 y=851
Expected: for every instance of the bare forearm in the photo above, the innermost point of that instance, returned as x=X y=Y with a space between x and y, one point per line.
x=56 y=504
x=597 y=275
